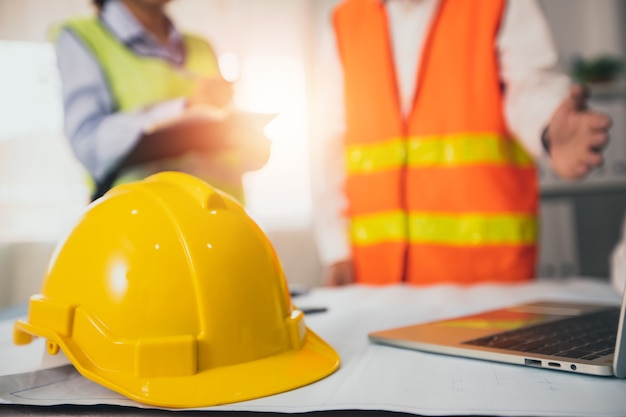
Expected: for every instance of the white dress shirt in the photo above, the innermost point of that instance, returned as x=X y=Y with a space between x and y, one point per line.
x=533 y=92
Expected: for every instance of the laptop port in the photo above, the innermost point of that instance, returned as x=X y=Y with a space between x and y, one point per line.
x=532 y=362
x=554 y=364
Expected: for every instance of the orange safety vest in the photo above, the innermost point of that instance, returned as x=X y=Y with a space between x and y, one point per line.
x=445 y=195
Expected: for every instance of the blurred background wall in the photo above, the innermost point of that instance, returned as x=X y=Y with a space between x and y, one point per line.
x=271 y=46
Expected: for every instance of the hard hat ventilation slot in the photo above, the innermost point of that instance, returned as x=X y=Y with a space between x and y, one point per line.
x=215 y=201
x=166 y=356
x=53 y=315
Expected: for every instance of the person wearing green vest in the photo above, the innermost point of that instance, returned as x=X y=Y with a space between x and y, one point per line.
x=140 y=97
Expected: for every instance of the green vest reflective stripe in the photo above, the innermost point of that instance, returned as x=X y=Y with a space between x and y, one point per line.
x=435 y=228
x=441 y=150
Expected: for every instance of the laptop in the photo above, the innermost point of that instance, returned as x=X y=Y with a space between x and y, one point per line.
x=571 y=337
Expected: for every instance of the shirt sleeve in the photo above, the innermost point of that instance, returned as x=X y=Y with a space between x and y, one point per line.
x=328 y=175
x=528 y=59
x=99 y=135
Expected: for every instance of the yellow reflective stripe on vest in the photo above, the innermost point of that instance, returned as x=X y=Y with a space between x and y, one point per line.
x=473 y=229
x=390 y=154
x=461 y=230
x=465 y=149
x=440 y=150
x=385 y=227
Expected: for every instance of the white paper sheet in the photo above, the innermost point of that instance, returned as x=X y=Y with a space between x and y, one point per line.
x=374 y=377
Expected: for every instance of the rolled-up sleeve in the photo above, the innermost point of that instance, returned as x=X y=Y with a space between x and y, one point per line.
x=528 y=60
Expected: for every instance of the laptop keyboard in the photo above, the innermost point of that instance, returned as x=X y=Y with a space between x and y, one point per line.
x=589 y=337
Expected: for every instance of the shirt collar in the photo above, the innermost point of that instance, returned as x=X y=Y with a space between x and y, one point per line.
x=125 y=26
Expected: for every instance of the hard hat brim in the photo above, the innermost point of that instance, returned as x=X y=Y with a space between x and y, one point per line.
x=275 y=374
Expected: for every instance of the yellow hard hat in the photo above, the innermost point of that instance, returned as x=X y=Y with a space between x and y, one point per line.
x=167 y=292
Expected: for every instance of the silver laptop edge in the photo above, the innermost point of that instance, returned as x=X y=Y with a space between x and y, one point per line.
x=619 y=359
x=423 y=337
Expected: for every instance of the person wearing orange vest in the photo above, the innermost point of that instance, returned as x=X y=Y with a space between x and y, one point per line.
x=141 y=97
x=432 y=112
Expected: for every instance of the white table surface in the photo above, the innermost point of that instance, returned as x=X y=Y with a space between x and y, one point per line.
x=376 y=377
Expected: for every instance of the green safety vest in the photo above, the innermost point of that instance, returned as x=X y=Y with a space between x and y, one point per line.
x=138 y=82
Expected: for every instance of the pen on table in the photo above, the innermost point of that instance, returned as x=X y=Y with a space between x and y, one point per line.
x=296 y=290
x=313 y=310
